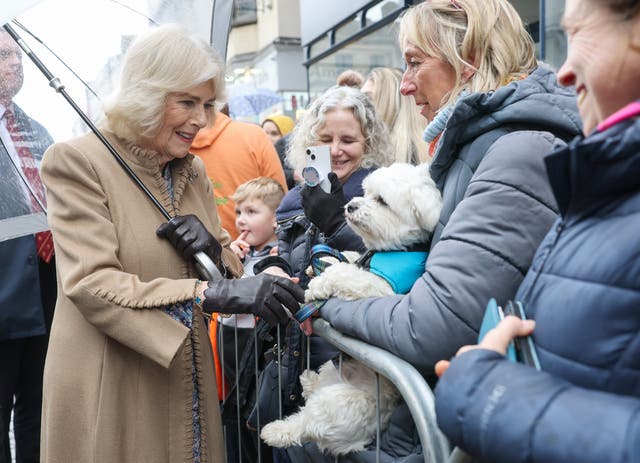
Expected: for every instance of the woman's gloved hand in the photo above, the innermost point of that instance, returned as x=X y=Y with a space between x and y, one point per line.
x=267 y=296
x=325 y=210
x=189 y=236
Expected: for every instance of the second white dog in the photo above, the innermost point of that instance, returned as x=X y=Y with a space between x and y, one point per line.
x=398 y=212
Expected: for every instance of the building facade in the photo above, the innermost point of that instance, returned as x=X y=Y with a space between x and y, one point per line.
x=264 y=52
x=362 y=34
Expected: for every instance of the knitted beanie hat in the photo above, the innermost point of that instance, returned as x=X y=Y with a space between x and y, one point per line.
x=284 y=123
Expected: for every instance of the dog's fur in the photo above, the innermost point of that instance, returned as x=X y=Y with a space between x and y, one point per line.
x=400 y=208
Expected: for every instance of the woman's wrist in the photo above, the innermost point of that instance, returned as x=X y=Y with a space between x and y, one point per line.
x=198 y=295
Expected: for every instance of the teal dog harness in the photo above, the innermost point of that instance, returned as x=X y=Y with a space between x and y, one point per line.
x=400 y=269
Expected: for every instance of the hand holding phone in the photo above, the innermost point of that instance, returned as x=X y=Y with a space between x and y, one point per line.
x=318 y=166
x=493 y=315
x=525 y=349
x=521 y=349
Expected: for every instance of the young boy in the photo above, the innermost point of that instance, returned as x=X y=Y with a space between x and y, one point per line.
x=256 y=203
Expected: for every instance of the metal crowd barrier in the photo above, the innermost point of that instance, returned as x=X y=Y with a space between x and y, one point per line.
x=415 y=391
x=411 y=385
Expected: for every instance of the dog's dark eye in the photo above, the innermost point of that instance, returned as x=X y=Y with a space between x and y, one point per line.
x=381 y=201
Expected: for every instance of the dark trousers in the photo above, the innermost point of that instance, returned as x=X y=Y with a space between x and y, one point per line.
x=22 y=366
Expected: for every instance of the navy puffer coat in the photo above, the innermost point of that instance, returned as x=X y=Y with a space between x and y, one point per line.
x=583 y=290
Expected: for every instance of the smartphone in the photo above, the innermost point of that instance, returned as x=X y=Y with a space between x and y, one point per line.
x=317 y=167
x=493 y=315
x=524 y=346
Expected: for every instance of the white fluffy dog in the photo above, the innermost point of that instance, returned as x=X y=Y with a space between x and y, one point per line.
x=399 y=210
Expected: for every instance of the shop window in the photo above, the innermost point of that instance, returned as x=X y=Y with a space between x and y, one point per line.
x=346 y=30
x=380 y=48
x=382 y=9
x=320 y=45
x=555 y=40
x=244 y=12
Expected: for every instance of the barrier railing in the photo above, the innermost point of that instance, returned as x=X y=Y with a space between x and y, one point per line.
x=412 y=386
x=415 y=392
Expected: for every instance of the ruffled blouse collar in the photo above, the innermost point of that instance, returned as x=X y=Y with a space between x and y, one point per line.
x=148 y=158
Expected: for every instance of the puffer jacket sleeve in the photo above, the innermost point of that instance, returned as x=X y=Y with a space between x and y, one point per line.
x=284 y=244
x=501 y=411
x=484 y=251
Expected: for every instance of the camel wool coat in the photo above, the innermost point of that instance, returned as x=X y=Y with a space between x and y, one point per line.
x=118 y=375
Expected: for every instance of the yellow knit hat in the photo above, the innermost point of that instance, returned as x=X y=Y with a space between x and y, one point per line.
x=284 y=123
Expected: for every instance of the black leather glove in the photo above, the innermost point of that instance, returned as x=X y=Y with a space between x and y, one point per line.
x=272 y=261
x=325 y=210
x=189 y=236
x=263 y=295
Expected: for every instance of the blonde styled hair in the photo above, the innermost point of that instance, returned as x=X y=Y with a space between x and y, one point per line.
x=487 y=36
x=377 y=151
x=264 y=189
x=165 y=60
x=400 y=114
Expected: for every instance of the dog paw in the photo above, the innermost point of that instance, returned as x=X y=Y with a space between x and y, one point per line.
x=329 y=284
x=279 y=434
x=308 y=380
x=309 y=272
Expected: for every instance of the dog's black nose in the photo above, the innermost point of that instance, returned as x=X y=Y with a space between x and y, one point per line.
x=351 y=208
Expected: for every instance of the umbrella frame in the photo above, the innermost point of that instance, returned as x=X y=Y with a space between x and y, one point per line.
x=204 y=264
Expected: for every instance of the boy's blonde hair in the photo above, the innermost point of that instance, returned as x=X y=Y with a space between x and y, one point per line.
x=264 y=189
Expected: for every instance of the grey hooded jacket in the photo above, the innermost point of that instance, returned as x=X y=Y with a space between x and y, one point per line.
x=497 y=207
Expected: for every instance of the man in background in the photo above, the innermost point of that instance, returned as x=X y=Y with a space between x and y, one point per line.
x=27 y=279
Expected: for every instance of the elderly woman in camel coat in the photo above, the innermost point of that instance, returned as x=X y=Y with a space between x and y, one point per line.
x=129 y=375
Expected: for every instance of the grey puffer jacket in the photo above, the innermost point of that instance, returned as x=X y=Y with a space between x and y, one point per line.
x=497 y=208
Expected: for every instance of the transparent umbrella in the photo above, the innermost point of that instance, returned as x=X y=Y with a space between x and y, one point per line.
x=251 y=101
x=93 y=39
x=81 y=42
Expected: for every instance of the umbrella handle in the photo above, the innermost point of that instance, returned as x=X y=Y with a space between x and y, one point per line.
x=206 y=268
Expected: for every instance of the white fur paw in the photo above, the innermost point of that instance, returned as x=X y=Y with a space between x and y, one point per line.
x=346 y=281
x=308 y=380
x=280 y=434
x=309 y=272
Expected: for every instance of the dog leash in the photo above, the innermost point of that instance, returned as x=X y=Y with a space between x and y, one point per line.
x=322 y=250
x=318 y=266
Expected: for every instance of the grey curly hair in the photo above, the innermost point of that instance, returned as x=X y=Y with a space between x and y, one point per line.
x=377 y=153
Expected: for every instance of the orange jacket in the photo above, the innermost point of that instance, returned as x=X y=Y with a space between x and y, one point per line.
x=221 y=380
x=235 y=152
